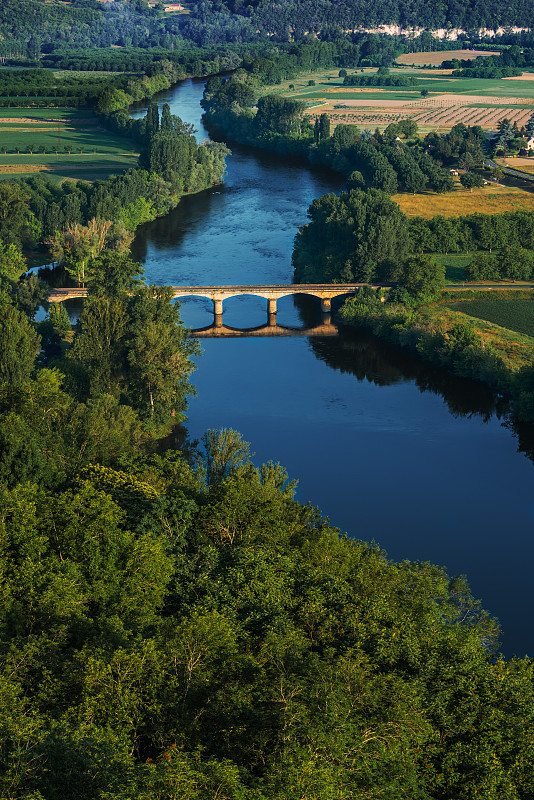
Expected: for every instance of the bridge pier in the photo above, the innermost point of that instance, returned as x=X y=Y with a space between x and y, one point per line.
x=326 y=305
x=271 y=319
x=218 y=308
x=271 y=307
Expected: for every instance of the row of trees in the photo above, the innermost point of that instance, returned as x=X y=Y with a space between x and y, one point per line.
x=380 y=78
x=363 y=236
x=472 y=232
x=511 y=61
x=188 y=60
x=509 y=263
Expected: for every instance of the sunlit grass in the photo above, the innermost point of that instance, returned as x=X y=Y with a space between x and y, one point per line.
x=488 y=200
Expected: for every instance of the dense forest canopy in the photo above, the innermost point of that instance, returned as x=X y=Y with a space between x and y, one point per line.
x=30 y=27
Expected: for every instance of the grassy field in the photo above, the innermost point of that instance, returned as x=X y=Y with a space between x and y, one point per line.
x=449 y=100
x=94 y=152
x=443 y=55
x=514 y=314
x=514 y=347
x=330 y=83
x=488 y=200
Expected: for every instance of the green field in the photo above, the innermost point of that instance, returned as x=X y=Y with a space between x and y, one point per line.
x=434 y=84
x=513 y=314
x=94 y=152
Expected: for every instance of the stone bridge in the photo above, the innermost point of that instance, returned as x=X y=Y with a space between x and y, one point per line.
x=325 y=292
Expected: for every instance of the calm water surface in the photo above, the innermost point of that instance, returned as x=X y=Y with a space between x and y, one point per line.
x=389 y=449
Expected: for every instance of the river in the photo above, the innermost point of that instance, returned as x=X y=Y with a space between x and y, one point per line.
x=386 y=447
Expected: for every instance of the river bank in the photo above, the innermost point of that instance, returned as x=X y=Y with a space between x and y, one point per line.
x=452 y=339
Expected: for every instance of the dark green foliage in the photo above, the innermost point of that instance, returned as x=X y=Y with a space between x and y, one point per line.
x=158 y=355
x=359 y=236
x=483 y=267
x=32 y=292
x=114 y=274
x=59 y=318
x=19 y=345
x=17 y=223
x=471 y=180
x=513 y=229
x=278 y=115
x=421 y=277
x=380 y=80
x=236 y=644
x=461 y=141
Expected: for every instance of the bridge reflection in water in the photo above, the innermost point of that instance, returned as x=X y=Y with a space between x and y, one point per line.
x=271 y=328
x=325 y=293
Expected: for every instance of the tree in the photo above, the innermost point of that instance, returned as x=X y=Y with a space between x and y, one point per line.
x=99 y=345
x=483 y=267
x=19 y=346
x=422 y=277
x=159 y=355
x=324 y=127
x=78 y=244
x=113 y=274
x=278 y=114
x=32 y=292
x=471 y=180
x=515 y=263
x=12 y=262
x=506 y=133
x=223 y=452
x=59 y=318
x=170 y=155
x=166 y=119
x=111 y=100
x=18 y=224
x=357 y=236
x=152 y=119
